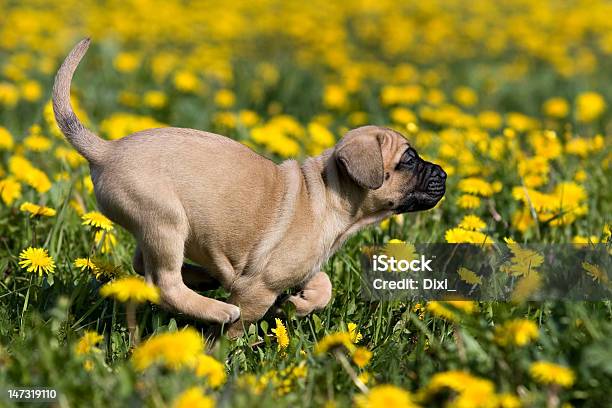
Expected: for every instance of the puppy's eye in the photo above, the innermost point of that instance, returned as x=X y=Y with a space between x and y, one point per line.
x=408 y=160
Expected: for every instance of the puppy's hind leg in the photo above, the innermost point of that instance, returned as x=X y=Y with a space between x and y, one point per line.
x=194 y=276
x=162 y=251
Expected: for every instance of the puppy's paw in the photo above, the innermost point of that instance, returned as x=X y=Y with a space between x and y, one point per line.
x=232 y=313
x=303 y=307
x=224 y=313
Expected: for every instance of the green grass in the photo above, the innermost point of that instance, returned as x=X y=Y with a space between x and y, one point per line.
x=40 y=323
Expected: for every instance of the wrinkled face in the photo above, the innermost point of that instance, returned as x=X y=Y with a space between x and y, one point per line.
x=421 y=183
x=394 y=177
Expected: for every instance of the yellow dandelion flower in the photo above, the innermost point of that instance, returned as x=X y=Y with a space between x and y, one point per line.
x=506 y=400
x=582 y=240
x=518 y=332
x=88 y=342
x=438 y=309
x=37 y=143
x=282 y=338
x=97 y=220
x=87 y=185
x=442 y=309
x=225 y=98
x=333 y=340
x=320 y=135
x=361 y=356
x=6 y=139
x=472 y=222
x=335 y=97
x=399 y=249
x=38 y=180
x=105 y=241
x=126 y=62
x=354 y=332
x=468 y=201
x=490 y=120
x=385 y=396
x=471 y=391
x=548 y=373
x=9 y=94
x=556 y=108
x=10 y=190
x=364 y=377
x=248 y=118
x=465 y=96
x=300 y=371
x=527 y=286
x=193 y=398
x=121 y=124
x=186 y=81
x=88 y=365
x=77 y=207
x=595 y=272
x=213 y=370
x=107 y=269
x=589 y=106
x=523 y=261
x=402 y=116
x=35 y=210
x=37 y=260
x=462 y=236
x=155 y=99
x=455 y=380
x=31 y=91
x=578 y=146
x=86 y=264
x=522 y=220
x=468 y=276
x=132 y=289
x=23 y=170
x=174 y=350
x=476 y=186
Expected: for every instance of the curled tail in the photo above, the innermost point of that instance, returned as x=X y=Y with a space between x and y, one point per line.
x=84 y=141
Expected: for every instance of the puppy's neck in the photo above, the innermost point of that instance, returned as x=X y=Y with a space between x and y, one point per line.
x=335 y=200
x=326 y=193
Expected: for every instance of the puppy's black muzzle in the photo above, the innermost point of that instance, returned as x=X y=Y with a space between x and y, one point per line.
x=431 y=186
x=435 y=181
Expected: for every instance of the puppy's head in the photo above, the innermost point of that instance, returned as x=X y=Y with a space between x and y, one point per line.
x=388 y=172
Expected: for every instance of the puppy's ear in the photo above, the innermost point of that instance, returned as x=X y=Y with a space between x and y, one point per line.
x=360 y=154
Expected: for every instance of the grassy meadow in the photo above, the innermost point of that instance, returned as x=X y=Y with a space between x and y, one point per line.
x=512 y=98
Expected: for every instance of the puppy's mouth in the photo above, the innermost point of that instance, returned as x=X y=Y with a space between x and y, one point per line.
x=430 y=191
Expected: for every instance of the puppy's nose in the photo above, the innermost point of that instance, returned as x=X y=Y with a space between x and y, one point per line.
x=438 y=172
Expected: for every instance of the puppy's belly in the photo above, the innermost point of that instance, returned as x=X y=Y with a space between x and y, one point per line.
x=218 y=264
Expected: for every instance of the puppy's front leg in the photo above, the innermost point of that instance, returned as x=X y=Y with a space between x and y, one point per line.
x=254 y=299
x=315 y=295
